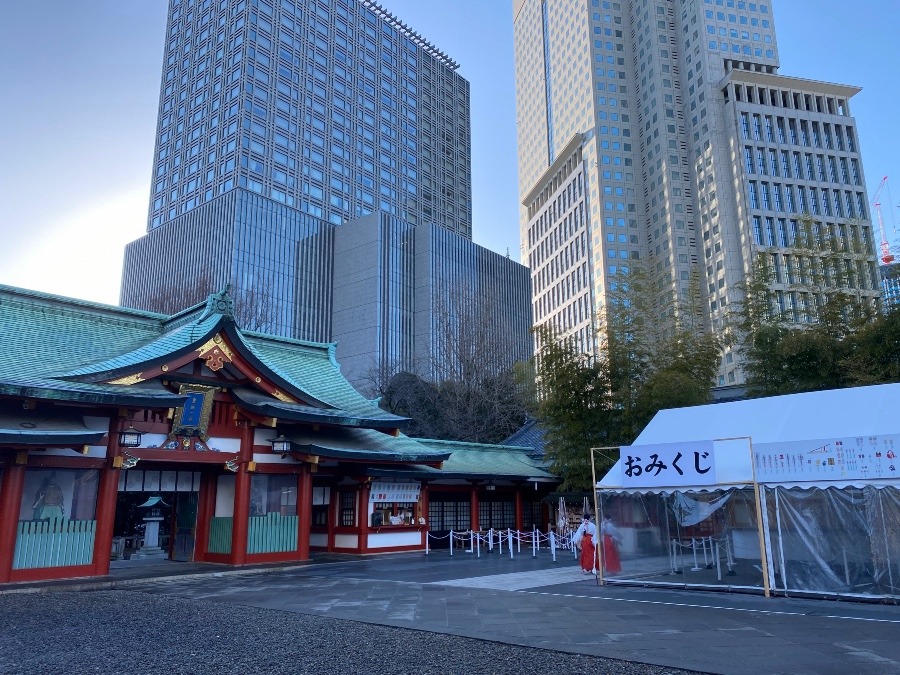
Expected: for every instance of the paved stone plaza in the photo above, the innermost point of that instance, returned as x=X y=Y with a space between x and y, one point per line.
x=320 y=617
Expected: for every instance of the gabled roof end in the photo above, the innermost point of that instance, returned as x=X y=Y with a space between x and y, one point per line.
x=219 y=303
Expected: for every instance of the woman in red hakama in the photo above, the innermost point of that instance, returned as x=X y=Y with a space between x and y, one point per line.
x=611 y=541
x=584 y=537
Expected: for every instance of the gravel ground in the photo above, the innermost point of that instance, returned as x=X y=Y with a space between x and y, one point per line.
x=126 y=631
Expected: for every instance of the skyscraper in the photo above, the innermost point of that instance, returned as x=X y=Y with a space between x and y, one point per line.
x=280 y=121
x=422 y=299
x=890 y=284
x=659 y=133
x=334 y=108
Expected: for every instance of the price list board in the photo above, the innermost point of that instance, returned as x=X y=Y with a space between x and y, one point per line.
x=837 y=459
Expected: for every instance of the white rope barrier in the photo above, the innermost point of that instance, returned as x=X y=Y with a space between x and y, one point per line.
x=508 y=541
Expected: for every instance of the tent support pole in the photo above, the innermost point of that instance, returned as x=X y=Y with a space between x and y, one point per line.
x=887 y=551
x=780 y=542
x=763 y=551
x=762 y=540
x=598 y=540
x=598 y=545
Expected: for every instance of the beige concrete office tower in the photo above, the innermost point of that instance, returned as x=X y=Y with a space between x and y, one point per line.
x=637 y=122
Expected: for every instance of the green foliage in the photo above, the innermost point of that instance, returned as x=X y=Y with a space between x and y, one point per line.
x=817 y=347
x=685 y=368
x=485 y=410
x=574 y=407
x=873 y=354
x=643 y=367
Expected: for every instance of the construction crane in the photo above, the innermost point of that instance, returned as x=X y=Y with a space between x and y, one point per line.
x=886 y=256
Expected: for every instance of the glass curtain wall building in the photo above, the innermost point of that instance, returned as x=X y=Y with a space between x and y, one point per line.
x=308 y=153
x=421 y=299
x=633 y=153
x=890 y=285
x=334 y=108
x=279 y=120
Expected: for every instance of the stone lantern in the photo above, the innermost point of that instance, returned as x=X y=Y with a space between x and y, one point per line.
x=152 y=519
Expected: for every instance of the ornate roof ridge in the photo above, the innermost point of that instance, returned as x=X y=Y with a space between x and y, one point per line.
x=66 y=305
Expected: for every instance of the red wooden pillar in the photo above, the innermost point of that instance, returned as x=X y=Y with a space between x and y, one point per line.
x=473 y=508
x=362 y=544
x=519 y=518
x=241 y=515
x=240 y=518
x=107 y=493
x=304 y=511
x=206 y=508
x=10 y=499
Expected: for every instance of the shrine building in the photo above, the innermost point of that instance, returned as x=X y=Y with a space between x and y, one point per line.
x=184 y=437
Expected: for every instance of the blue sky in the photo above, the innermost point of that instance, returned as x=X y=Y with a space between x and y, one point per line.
x=81 y=82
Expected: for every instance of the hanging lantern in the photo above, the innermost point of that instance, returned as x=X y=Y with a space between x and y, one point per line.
x=281 y=445
x=130 y=438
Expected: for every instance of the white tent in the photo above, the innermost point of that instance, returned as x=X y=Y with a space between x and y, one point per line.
x=814 y=475
x=858 y=412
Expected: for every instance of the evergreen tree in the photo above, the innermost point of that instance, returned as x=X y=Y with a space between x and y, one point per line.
x=574 y=406
x=649 y=359
x=789 y=348
x=873 y=353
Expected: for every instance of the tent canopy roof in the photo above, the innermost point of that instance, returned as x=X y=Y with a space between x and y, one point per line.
x=856 y=411
x=837 y=413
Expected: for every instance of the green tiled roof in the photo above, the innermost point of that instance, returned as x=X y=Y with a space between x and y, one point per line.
x=84 y=392
x=59 y=348
x=42 y=334
x=165 y=347
x=55 y=347
x=311 y=368
x=269 y=407
x=480 y=459
x=364 y=444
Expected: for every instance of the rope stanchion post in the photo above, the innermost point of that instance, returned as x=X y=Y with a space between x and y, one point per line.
x=718 y=563
x=729 y=556
x=510 y=542
x=553 y=545
x=426 y=543
x=534 y=543
x=478 y=543
x=451 y=542
x=696 y=567
x=471 y=542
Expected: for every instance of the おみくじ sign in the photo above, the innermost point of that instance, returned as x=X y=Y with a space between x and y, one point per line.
x=668 y=464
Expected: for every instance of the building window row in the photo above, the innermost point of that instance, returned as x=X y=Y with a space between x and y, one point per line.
x=790 y=131
x=804 y=199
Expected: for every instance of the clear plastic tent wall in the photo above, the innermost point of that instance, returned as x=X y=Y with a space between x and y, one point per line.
x=689 y=538
x=830 y=511
x=835 y=540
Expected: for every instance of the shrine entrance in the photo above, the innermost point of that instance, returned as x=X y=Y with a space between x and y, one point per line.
x=184 y=526
x=171 y=521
